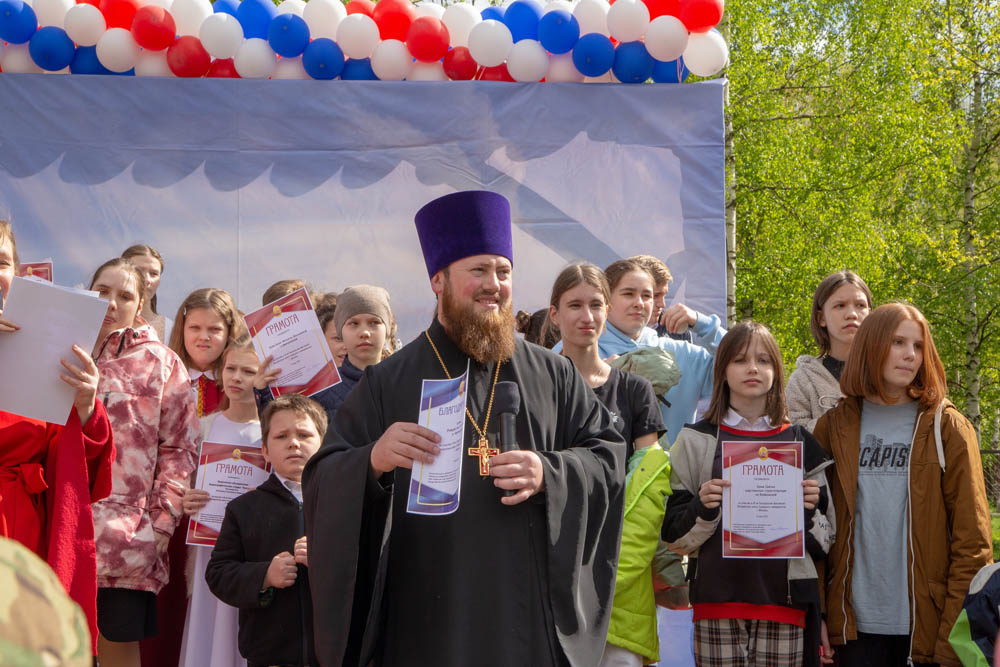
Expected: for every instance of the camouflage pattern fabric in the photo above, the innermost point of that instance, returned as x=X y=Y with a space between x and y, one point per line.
x=39 y=624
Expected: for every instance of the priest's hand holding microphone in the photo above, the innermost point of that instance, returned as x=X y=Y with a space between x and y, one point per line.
x=518 y=473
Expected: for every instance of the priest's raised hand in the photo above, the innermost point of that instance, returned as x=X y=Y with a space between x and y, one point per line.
x=401 y=445
x=519 y=471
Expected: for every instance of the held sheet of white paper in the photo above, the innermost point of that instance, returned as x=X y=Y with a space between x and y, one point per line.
x=52 y=319
x=435 y=488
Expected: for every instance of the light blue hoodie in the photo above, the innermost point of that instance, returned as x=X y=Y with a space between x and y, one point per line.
x=695 y=361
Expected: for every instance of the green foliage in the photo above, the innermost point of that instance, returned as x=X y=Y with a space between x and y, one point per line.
x=852 y=124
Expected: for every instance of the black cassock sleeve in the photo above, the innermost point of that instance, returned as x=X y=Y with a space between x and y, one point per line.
x=229 y=576
x=342 y=499
x=584 y=500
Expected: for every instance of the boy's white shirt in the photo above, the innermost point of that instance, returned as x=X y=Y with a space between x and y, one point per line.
x=294 y=487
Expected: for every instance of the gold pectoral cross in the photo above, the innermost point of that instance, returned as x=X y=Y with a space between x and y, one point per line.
x=484 y=452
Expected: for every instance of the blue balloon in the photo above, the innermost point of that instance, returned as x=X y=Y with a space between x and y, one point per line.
x=593 y=54
x=633 y=64
x=51 y=48
x=288 y=35
x=225 y=7
x=358 y=69
x=85 y=62
x=558 y=31
x=673 y=71
x=17 y=21
x=522 y=17
x=323 y=59
x=255 y=16
x=494 y=12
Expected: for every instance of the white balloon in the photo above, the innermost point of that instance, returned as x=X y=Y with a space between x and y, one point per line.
x=85 y=24
x=706 y=53
x=561 y=68
x=221 y=34
x=490 y=42
x=64 y=70
x=592 y=15
x=430 y=9
x=323 y=17
x=427 y=72
x=152 y=63
x=297 y=7
x=604 y=78
x=255 y=59
x=357 y=36
x=460 y=18
x=17 y=60
x=165 y=4
x=52 y=12
x=117 y=51
x=666 y=38
x=189 y=15
x=628 y=20
x=528 y=61
x=290 y=68
x=392 y=60
x=565 y=5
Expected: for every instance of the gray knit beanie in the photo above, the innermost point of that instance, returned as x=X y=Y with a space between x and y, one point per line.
x=362 y=299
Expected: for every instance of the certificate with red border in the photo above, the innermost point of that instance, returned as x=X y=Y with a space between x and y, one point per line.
x=289 y=331
x=226 y=472
x=762 y=510
x=41 y=270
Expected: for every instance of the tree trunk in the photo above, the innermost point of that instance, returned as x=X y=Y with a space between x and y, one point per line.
x=973 y=338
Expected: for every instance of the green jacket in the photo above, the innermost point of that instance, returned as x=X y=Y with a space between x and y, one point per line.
x=633 y=614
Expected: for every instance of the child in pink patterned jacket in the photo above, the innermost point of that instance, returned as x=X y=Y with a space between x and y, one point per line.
x=146 y=390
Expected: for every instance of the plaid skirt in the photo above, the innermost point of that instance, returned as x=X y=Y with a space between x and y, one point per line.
x=735 y=642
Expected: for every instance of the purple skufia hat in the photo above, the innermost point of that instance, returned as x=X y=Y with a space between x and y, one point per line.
x=463 y=224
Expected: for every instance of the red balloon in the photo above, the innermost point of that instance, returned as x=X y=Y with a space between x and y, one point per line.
x=153 y=28
x=187 y=57
x=96 y=3
x=427 y=39
x=700 y=15
x=366 y=7
x=498 y=73
x=662 y=8
x=393 y=18
x=119 y=13
x=459 y=65
x=223 y=69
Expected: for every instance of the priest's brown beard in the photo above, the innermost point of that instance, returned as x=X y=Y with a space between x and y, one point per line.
x=484 y=336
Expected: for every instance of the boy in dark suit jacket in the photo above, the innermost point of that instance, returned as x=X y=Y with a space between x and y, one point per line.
x=259 y=561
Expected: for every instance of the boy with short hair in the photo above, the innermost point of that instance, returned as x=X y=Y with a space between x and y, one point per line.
x=260 y=559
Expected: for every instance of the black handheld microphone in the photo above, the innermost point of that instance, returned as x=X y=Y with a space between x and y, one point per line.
x=507 y=402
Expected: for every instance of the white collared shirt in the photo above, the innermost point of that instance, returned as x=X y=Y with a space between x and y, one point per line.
x=737 y=421
x=194 y=374
x=294 y=487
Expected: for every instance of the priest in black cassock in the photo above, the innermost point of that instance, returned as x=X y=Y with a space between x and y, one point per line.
x=519 y=581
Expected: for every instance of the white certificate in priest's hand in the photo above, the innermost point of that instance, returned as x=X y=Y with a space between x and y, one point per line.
x=436 y=487
x=762 y=508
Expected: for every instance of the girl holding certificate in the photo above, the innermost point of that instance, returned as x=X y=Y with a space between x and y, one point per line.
x=145 y=386
x=579 y=308
x=839 y=305
x=909 y=495
x=747 y=610
x=50 y=474
x=211 y=626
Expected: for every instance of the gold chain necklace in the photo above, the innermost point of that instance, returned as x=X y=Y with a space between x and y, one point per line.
x=484 y=452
